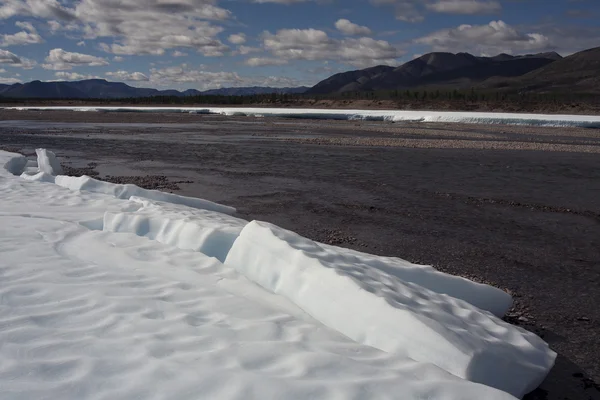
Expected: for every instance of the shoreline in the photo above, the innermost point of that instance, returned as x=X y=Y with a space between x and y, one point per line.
x=515 y=218
x=380 y=105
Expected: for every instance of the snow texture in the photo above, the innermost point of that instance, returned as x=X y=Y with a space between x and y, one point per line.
x=126 y=191
x=209 y=232
x=380 y=310
x=122 y=298
x=47 y=162
x=587 y=121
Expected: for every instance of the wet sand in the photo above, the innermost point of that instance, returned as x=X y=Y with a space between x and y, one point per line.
x=517 y=207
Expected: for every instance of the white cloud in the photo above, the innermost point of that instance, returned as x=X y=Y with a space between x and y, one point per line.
x=465 y=7
x=20 y=39
x=238 y=38
x=8 y=58
x=312 y=44
x=27 y=26
x=6 y=80
x=263 y=61
x=28 y=35
x=287 y=2
x=414 y=10
x=48 y=9
x=58 y=59
x=73 y=76
x=349 y=28
x=81 y=43
x=178 y=53
x=493 y=38
x=153 y=26
x=118 y=59
x=132 y=26
x=404 y=10
x=247 y=50
x=128 y=76
x=203 y=80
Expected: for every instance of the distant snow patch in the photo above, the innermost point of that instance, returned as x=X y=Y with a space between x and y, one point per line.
x=551 y=120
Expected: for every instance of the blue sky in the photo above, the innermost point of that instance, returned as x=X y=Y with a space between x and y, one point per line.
x=205 y=44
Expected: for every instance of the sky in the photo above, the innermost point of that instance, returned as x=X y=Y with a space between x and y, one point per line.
x=205 y=44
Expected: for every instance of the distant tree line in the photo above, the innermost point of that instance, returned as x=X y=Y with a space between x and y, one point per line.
x=455 y=98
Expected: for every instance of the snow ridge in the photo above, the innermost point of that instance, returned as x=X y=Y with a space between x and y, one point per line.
x=125 y=192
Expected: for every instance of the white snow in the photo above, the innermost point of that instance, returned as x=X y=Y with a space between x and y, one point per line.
x=47 y=162
x=206 y=231
x=391 y=314
x=126 y=191
x=556 y=120
x=103 y=296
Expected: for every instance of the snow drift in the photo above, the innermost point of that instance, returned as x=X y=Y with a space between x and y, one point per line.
x=127 y=191
x=47 y=162
x=381 y=310
x=586 y=121
x=125 y=271
x=208 y=232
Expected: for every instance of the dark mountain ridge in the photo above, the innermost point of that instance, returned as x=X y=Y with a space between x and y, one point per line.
x=439 y=68
x=103 y=89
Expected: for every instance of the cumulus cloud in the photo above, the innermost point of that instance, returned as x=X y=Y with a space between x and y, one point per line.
x=128 y=76
x=184 y=75
x=7 y=80
x=247 y=50
x=28 y=35
x=287 y=2
x=8 y=58
x=312 y=44
x=237 y=38
x=263 y=61
x=47 y=9
x=73 y=76
x=404 y=10
x=493 y=38
x=350 y=28
x=414 y=10
x=59 y=59
x=153 y=26
x=133 y=26
x=468 y=7
x=178 y=53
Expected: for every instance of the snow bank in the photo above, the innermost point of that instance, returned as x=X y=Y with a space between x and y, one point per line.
x=588 y=121
x=47 y=162
x=12 y=163
x=88 y=314
x=208 y=232
x=127 y=191
x=486 y=297
x=380 y=310
x=39 y=177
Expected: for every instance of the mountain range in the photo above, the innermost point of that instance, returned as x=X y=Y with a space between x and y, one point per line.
x=103 y=89
x=435 y=69
x=538 y=73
